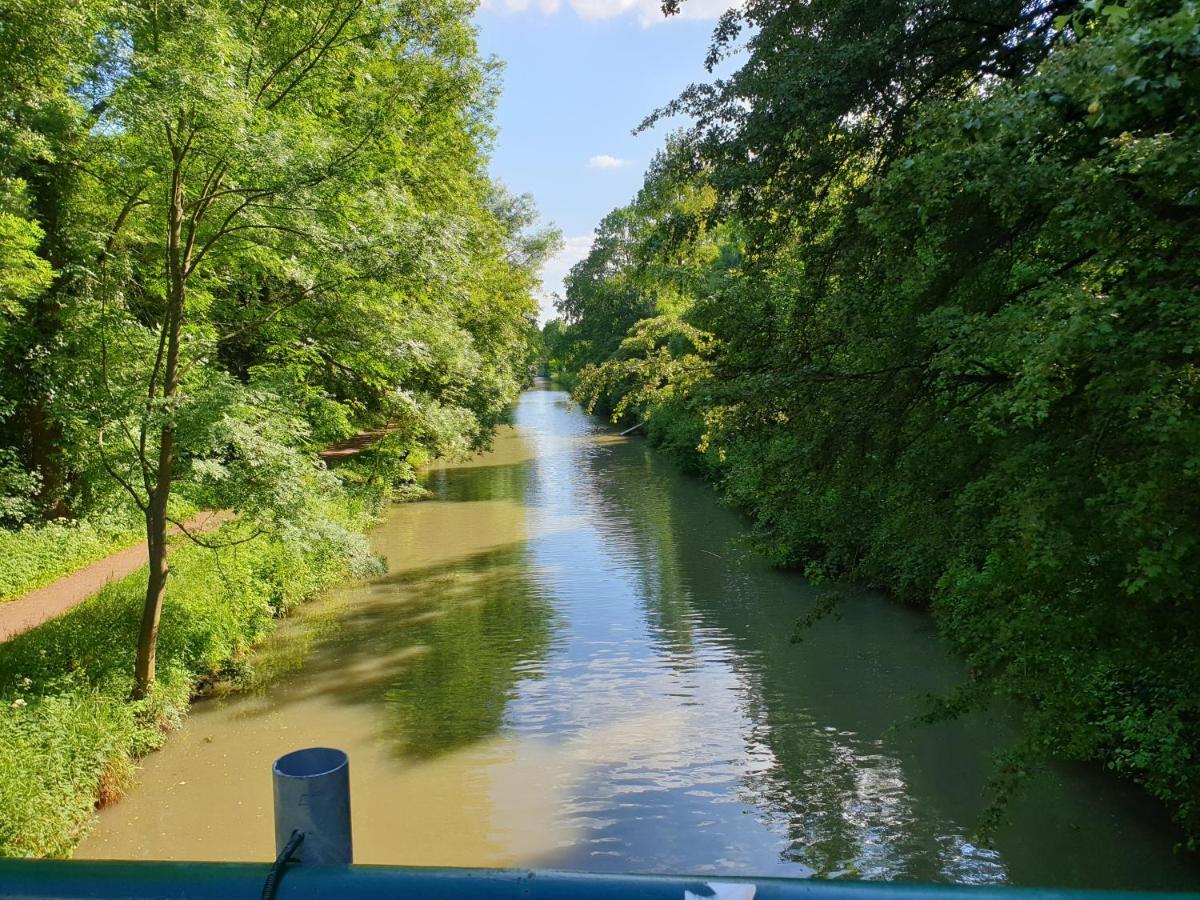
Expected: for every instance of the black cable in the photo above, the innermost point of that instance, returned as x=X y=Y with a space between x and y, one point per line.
x=271 y=885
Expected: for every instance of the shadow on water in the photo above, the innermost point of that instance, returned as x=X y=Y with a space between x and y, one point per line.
x=482 y=481
x=435 y=652
x=469 y=633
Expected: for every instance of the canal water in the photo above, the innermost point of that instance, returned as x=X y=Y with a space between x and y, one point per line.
x=574 y=661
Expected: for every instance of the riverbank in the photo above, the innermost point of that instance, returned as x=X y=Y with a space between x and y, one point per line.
x=68 y=733
x=37 y=606
x=37 y=555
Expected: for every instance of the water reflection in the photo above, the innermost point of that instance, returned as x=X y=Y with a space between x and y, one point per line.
x=490 y=628
x=573 y=662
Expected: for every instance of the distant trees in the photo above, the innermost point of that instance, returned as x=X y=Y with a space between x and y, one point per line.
x=947 y=295
x=230 y=232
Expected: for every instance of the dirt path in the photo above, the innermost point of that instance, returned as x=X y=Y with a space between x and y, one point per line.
x=43 y=604
x=353 y=446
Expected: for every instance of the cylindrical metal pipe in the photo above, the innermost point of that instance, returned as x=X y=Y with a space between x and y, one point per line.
x=312 y=795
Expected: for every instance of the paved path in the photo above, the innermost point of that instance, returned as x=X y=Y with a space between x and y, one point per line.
x=38 y=606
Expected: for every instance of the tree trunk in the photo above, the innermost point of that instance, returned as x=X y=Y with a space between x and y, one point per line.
x=160 y=495
x=46 y=458
x=156 y=588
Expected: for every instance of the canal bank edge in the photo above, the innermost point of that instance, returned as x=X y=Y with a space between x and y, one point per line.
x=69 y=735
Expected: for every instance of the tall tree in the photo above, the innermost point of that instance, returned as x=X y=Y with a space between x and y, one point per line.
x=48 y=51
x=270 y=136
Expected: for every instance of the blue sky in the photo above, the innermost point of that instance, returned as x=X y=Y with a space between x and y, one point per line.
x=579 y=76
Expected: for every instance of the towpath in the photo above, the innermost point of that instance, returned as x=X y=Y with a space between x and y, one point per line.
x=45 y=603
x=32 y=609
x=353 y=446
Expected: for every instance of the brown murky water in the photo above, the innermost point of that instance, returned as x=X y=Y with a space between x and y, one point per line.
x=573 y=662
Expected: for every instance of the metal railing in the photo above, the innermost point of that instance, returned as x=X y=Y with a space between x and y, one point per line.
x=315 y=851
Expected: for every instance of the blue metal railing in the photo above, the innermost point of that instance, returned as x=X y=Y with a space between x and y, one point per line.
x=313 y=823
x=75 y=880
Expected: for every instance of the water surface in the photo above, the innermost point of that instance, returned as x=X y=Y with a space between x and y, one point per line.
x=573 y=661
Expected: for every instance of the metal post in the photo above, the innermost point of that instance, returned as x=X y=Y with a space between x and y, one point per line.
x=312 y=795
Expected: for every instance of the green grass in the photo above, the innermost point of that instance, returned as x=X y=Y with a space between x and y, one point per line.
x=38 y=554
x=68 y=733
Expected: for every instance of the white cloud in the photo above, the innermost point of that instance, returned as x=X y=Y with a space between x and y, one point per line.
x=573 y=250
x=604 y=161
x=648 y=12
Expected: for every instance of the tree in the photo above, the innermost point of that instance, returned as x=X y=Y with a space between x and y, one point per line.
x=262 y=140
x=954 y=340
x=47 y=52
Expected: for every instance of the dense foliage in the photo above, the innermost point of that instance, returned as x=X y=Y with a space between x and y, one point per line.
x=230 y=234
x=918 y=289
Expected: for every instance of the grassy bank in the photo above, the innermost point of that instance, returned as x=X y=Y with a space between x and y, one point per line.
x=68 y=733
x=36 y=555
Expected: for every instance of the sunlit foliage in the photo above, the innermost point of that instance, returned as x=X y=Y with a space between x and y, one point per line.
x=233 y=233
